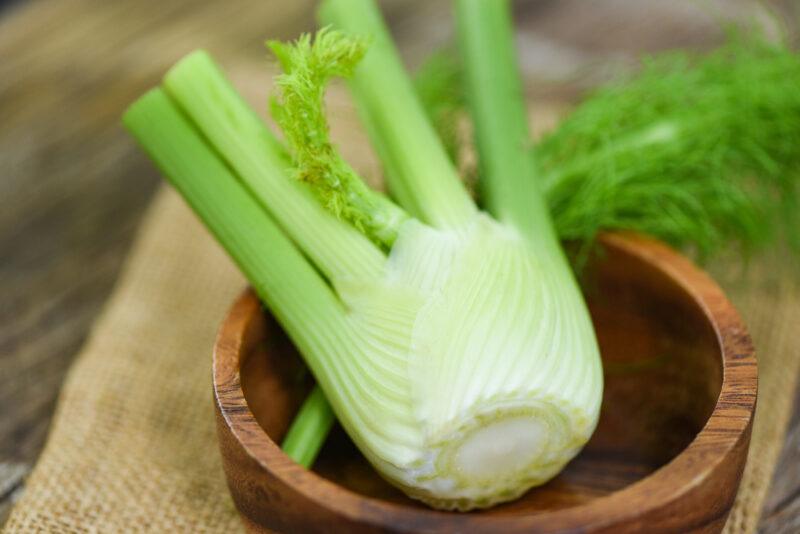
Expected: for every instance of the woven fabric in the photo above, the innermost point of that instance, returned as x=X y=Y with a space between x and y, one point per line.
x=132 y=447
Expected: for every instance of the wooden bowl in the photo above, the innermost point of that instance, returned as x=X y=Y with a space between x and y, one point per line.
x=667 y=456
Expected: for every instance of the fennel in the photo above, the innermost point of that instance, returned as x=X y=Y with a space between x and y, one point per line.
x=453 y=345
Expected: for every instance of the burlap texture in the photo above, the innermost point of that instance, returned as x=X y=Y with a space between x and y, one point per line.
x=132 y=447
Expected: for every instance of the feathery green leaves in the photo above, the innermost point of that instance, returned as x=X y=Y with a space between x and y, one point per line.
x=299 y=109
x=702 y=151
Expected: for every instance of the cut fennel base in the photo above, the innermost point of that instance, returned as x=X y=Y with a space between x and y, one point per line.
x=474 y=374
x=495 y=457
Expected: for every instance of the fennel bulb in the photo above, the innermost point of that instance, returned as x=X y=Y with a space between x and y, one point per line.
x=487 y=363
x=481 y=375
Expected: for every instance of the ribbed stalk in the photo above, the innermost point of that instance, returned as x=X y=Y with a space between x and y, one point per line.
x=295 y=292
x=309 y=429
x=419 y=173
x=243 y=141
x=495 y=99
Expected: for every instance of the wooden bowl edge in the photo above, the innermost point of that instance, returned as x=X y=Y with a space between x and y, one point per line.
x=720 y=445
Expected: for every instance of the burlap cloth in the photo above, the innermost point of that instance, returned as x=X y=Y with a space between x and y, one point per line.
x=133 y=448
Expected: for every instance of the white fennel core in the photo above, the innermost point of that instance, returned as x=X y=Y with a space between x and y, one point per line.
x=501 y=449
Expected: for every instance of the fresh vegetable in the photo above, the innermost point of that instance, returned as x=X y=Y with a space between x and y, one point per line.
x=454 y=346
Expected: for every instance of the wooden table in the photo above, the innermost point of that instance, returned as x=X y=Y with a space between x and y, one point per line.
x=74 y=186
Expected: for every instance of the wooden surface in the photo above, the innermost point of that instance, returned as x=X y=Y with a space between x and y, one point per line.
x=74 y=186
x=658 y=321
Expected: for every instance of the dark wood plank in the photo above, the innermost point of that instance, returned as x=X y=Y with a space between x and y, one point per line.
x=784 y=521
x=74 y=186
x=782 y=509
x=12 y=477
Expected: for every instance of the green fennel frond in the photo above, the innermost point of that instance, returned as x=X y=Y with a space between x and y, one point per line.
x=299 y=109
x=698 y=150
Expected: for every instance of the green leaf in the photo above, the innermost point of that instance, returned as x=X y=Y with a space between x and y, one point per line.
x=299 y=109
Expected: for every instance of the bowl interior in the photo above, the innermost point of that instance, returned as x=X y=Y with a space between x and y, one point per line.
x=663 y=374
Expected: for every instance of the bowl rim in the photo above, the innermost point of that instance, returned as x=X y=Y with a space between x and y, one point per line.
x=728 y=425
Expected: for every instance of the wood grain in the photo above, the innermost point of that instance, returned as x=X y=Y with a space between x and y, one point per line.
x=74 y=186
x=667 y=456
